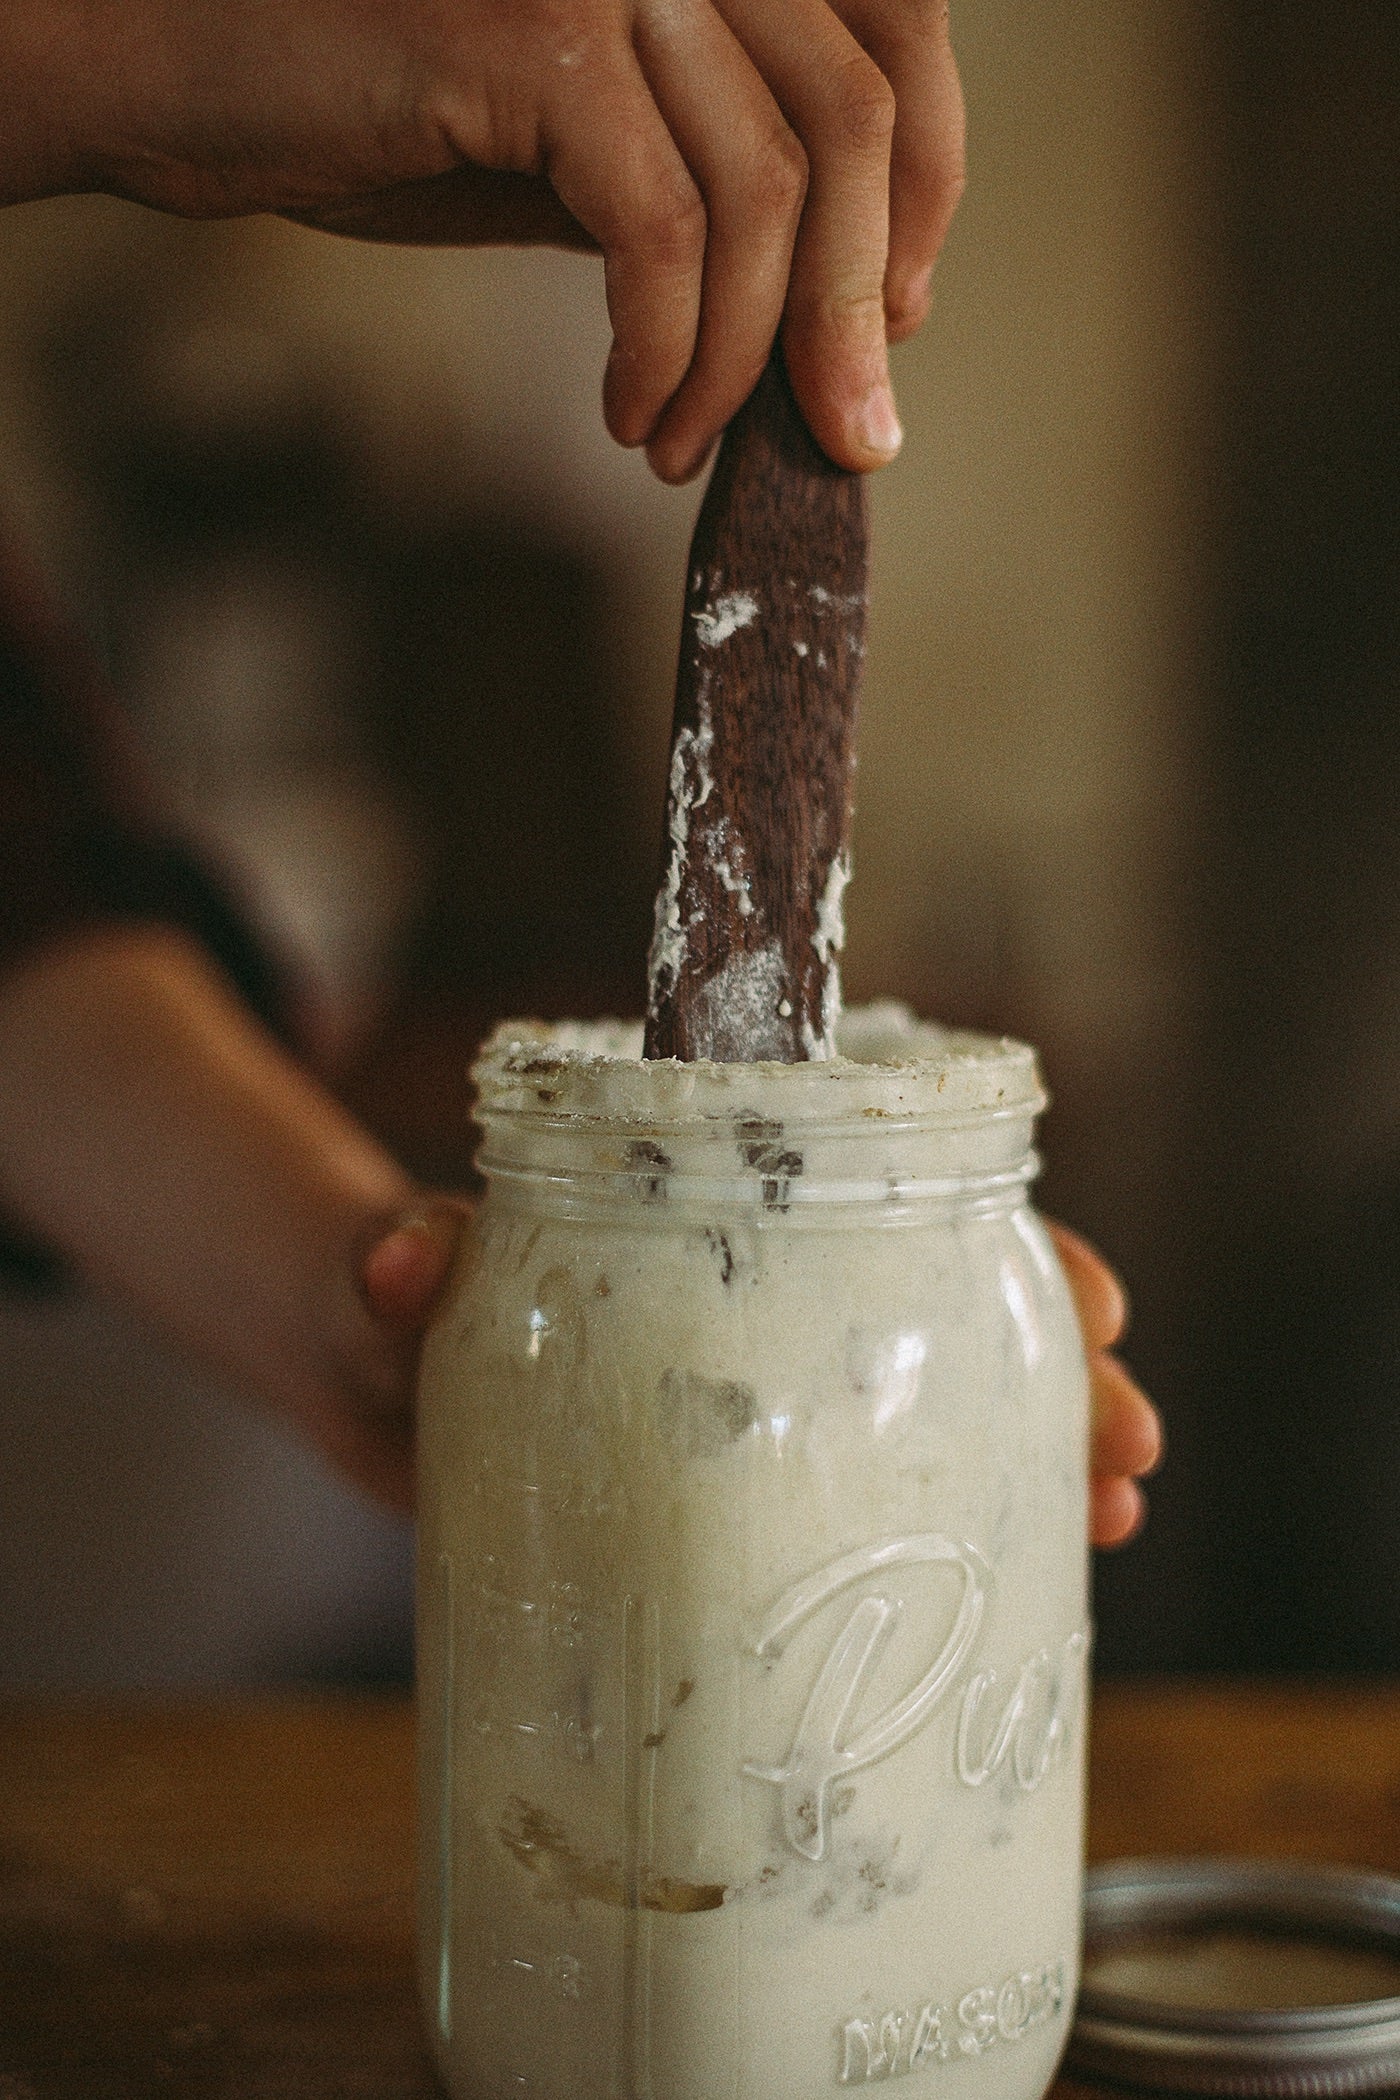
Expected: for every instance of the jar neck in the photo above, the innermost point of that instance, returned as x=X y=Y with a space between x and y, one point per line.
x=908 y=1118
x=758 y=1166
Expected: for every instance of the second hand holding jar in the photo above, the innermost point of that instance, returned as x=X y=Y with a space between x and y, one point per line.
x=753 y=1579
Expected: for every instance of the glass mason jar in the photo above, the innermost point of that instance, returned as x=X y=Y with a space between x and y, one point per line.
x=753 y=1627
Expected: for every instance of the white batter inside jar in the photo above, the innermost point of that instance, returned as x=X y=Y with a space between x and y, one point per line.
x=753 y=1628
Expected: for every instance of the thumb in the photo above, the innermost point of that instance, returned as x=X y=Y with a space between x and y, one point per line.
x=404 y=1272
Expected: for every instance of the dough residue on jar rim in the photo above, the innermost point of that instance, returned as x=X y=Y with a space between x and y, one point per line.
x=887 y=1063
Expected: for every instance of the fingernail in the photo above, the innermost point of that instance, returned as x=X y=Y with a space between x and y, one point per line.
x=619 y=410
x=877 y=424
x=439 y=1226
x=677 y=473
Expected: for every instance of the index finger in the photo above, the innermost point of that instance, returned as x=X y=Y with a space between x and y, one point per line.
x=910 y=44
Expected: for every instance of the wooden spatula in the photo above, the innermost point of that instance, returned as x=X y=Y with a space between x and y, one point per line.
x=744 y=959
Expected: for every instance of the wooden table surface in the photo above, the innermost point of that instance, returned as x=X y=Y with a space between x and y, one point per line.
x=216 y=1901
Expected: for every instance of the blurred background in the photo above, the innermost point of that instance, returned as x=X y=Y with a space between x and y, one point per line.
x=395 y=625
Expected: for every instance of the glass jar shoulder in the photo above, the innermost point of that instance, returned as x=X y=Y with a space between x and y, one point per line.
x=528 y=1286
x=944 y=1346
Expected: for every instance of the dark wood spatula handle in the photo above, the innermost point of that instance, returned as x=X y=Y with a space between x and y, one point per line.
x=756 y=850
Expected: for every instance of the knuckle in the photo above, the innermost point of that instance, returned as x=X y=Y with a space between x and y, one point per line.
x=856 y=313
x=778 y=178
x=669 y=228
x=862 y=103
x=846 y=320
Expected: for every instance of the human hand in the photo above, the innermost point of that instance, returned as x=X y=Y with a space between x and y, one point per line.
x=172 y=1151
x=738 y=164
x=798 y=166
x=1126 y=1434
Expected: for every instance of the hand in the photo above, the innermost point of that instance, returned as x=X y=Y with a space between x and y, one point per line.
x=176 y=1155
x=1126 y=1435
x=740 y=165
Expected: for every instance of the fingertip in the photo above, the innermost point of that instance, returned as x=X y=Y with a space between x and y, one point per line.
x=1127 y=1435
x=1117 y=1510
x=396 y=1267
x=676 y=465
x=406 y=1268
x=1154 y=1442
x=857 y=424
x=1118 y=1310
x=629 y=421
x=907 y=306
x=876 y=427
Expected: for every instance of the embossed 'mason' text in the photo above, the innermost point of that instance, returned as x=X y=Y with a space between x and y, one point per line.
x=891 y=2044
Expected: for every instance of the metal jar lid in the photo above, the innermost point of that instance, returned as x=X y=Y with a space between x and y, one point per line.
x=1199 y=1973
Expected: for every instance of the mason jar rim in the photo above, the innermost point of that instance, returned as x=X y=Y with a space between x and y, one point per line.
x=892 y=1073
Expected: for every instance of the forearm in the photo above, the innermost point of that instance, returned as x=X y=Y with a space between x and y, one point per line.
x=195 y=110
x=212 y=111
x=51 y=78
x=154 y=1133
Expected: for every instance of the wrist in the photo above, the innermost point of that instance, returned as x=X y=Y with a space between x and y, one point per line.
x=91 y=98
